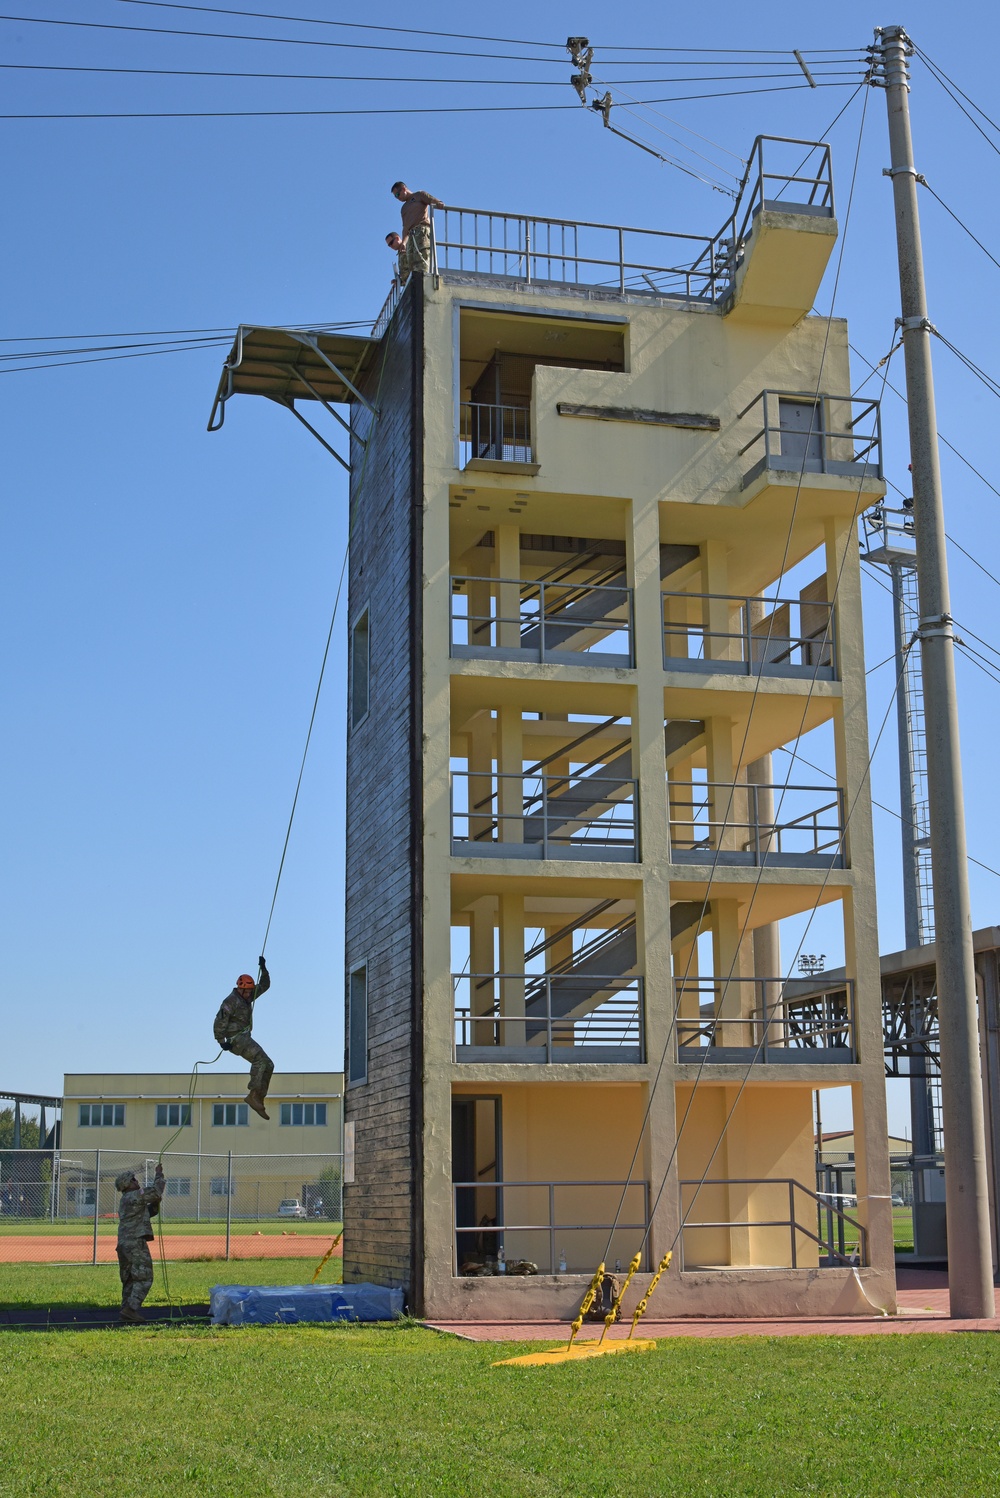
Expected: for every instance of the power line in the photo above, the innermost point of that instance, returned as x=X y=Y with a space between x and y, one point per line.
x=265 y=15
x=41 y=67
x=163 y=332
x=940 y=436
x=891 y=810
x=992 y=385
x=939 y=78
x=287 y=41
x=961 y=225
x=111 y=358
x=214 y=114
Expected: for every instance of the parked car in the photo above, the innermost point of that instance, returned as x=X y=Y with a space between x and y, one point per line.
x=291 y=1207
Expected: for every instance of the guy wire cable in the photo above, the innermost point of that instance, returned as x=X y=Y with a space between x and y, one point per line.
x=753 y=702
x=751 y=1063
x=744 y=930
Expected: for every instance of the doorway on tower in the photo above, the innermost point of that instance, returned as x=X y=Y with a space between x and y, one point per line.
x=475 y=1158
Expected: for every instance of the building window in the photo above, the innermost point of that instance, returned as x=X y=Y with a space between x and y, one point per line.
x=298 y=1114
x=173 y=1115
x=360 y=665
x=102 y=1115
x=179 y=1186
x=357 y=1024
x=228 y=1114
x=220 y=1186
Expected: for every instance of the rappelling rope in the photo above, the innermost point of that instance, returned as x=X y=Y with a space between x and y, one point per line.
x=295 y=799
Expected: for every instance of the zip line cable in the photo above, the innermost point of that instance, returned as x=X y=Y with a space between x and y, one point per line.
x=692 y=946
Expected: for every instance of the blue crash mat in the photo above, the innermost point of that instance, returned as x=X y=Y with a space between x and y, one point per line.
x=264 y=1305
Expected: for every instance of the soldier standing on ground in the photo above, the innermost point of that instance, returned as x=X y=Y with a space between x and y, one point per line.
x=416 y=217
x=232 y=1028
x=135 y=1233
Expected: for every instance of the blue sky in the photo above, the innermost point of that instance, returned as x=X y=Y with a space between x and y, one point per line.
x=167 y=593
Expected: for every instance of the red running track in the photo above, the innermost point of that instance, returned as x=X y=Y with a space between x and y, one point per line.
x=80 y=1250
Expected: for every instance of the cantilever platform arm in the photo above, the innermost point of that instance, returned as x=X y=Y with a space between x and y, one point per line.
x=309 y=341
x=289 y=405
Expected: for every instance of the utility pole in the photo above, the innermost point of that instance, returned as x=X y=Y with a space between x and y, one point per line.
x=970 y=1260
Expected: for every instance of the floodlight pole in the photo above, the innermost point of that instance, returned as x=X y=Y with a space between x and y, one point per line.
x=970 y=1258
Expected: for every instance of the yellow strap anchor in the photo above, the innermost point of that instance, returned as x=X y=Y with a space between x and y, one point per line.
x=631 y=1343
x=640 y=1309
x=322 y=1263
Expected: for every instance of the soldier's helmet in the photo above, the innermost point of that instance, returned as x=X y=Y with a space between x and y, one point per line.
x=123 y=1178
x=245 y=981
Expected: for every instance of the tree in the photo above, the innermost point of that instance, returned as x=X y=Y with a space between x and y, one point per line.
x=29 y=1131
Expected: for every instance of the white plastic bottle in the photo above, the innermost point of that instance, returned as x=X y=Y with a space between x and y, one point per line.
x=501 y=1261
x=562 y=1261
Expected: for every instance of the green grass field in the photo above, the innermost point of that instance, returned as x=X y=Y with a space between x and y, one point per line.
x=190 y=1283
x=348 y=1412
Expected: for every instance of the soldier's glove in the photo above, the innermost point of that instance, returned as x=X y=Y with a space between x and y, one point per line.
x=262 y=964
x=226 y=1044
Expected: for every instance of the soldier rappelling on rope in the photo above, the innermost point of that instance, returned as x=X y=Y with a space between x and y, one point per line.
x=233 y=1025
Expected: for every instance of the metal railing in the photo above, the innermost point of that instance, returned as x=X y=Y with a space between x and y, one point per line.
x=835 y=1249
x=546 y=1224
x=583 y=815
x=548 y=1017
x=388 y=308
x=806 y=432
x=566 y=622
x=768 y=1025
x=651 y=262
x=749 y=636
x=494 y=433
x=711 y=821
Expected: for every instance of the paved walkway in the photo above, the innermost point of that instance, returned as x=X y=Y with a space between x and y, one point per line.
x=922 y=1296
x=80 y=1250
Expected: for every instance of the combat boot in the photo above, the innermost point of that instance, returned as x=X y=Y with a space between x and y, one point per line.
x=134 y=1318
x=256 y=1102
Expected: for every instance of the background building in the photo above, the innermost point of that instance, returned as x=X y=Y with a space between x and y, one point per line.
x=130 y=1116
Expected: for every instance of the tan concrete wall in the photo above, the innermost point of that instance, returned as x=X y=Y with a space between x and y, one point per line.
x=651 y=485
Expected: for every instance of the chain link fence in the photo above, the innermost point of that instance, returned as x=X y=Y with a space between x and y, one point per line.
x=61 y=1207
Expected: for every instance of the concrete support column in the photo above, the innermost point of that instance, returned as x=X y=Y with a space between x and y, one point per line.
x=481 y=731
x=512 y=966
x=642 y=544
x=482 y=965
x=718 y=609
x=510 y=759
x=508 y=563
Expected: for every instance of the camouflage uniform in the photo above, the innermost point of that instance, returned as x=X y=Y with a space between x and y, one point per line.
x=418 y=249
x=415 y=213
x=233 y=1023
x=135 y=1233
